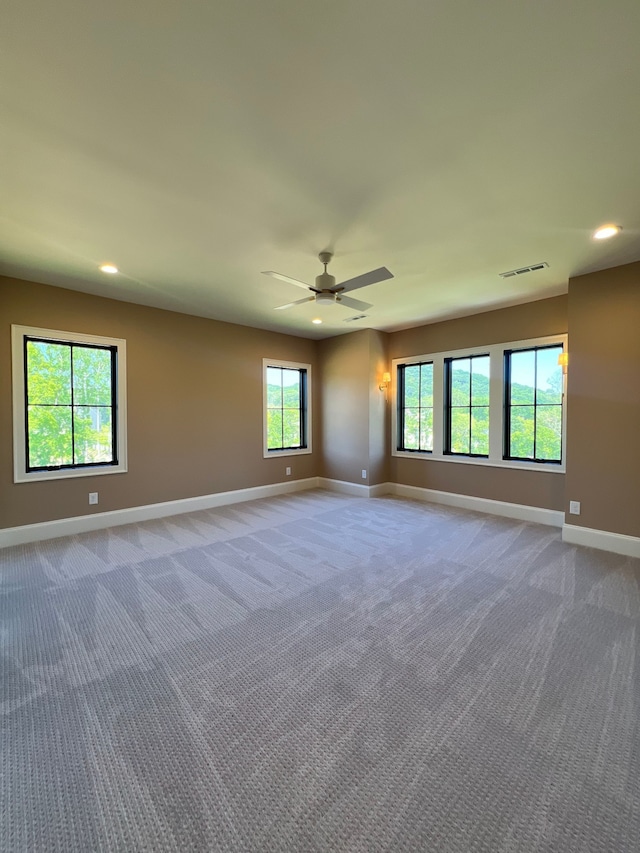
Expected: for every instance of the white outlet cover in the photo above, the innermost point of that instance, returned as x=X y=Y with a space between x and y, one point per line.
x=288 y=472
x=364 y=473
x=93 y=497
x=574 y=507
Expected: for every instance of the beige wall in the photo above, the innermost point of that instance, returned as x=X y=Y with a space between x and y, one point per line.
x=344 y=401
x=603 y=457
x=379 y=409
x=194 y=404
x=531 y=488
x=355 y=422
x=535 y=319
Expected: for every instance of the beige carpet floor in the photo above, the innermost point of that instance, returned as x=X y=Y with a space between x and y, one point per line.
x=319 y=673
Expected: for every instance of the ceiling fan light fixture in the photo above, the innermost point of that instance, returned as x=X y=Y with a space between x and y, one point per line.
x=325 y=298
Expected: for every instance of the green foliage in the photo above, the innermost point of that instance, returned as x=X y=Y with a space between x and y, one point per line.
x=470 y=423
x=418 y=407
x=55 y=428
x=283 y=408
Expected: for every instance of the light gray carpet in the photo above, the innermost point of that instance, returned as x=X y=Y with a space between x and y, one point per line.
x=319 y=673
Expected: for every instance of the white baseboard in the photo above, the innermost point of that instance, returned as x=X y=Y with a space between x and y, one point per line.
x=618 y=543
x=381 y=489
x=535 y=514
x=356 y=490
x=100 y=520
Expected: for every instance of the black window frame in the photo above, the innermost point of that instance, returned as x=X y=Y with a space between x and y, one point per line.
x=400 y=383
x=447 y=404
x=507 y=406
x=303 y=408
x=113 y=350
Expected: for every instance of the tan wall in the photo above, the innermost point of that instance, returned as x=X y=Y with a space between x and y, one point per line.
x=355 y=415
x=194 y=404
x=535 y=319
x=603 y=456
x=344 y=399
x=531 y=488
x=379 y=409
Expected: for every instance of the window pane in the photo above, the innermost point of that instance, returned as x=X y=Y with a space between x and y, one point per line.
x=480 y=430
x=426 y=429
x=274 y=387
x=412 y=385
x=426 y=385
x=91 y=376
x=92 y=434
x=274 y=429
x=290 y=389
x=291 y=425
x=460 y=382
x=480 y=381
x=49 y=436
x=523 y=368
x=521 y=433
x=549 y=433
x=460 y=430
x=410 y=435
x=549 y=382
x=48 y=373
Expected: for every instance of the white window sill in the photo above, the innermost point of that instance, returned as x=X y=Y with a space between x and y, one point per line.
x=547 y=467
x=67 y=473
x=270 y=454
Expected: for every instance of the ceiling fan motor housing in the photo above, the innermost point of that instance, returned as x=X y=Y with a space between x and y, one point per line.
x=325 y=281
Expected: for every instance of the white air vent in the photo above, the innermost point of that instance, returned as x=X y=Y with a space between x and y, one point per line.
x=523 y=270
x=357 y=317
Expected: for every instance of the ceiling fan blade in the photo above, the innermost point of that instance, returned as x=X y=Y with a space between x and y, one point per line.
x=348 y=302
x=288 y=279
x=297 y=302
x=373 y=277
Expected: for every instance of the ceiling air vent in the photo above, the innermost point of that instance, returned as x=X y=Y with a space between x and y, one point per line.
x=357 y=317
x=523 y=270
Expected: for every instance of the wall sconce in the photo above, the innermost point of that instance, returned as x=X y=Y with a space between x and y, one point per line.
x=563 y=361
x=386 y=379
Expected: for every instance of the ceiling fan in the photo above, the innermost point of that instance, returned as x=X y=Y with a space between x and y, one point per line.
x=327 y=292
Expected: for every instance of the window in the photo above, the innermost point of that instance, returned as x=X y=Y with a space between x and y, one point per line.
x=415 y=407
x=533 y=404
x=69 y=400
x=467 y=405
x=501 y=405
x=286 y=408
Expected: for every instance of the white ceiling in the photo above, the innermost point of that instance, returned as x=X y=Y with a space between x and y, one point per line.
x=197 y=143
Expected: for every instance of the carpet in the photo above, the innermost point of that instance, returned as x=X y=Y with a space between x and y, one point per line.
x=317 y=672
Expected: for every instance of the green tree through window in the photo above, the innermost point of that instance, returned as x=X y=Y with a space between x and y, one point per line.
x=286 y=408
x=467 y=405
x=415 y=407
x=533 y=423
x=70 y=411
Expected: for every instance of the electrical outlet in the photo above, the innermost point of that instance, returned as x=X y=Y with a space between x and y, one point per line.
x=288 y=472
x=574 y=507
x=93 y=498
x=364 y=473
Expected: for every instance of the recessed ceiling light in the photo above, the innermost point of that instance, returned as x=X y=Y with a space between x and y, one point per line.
x=109 y=268
x=317 y=321
x=606 y=231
